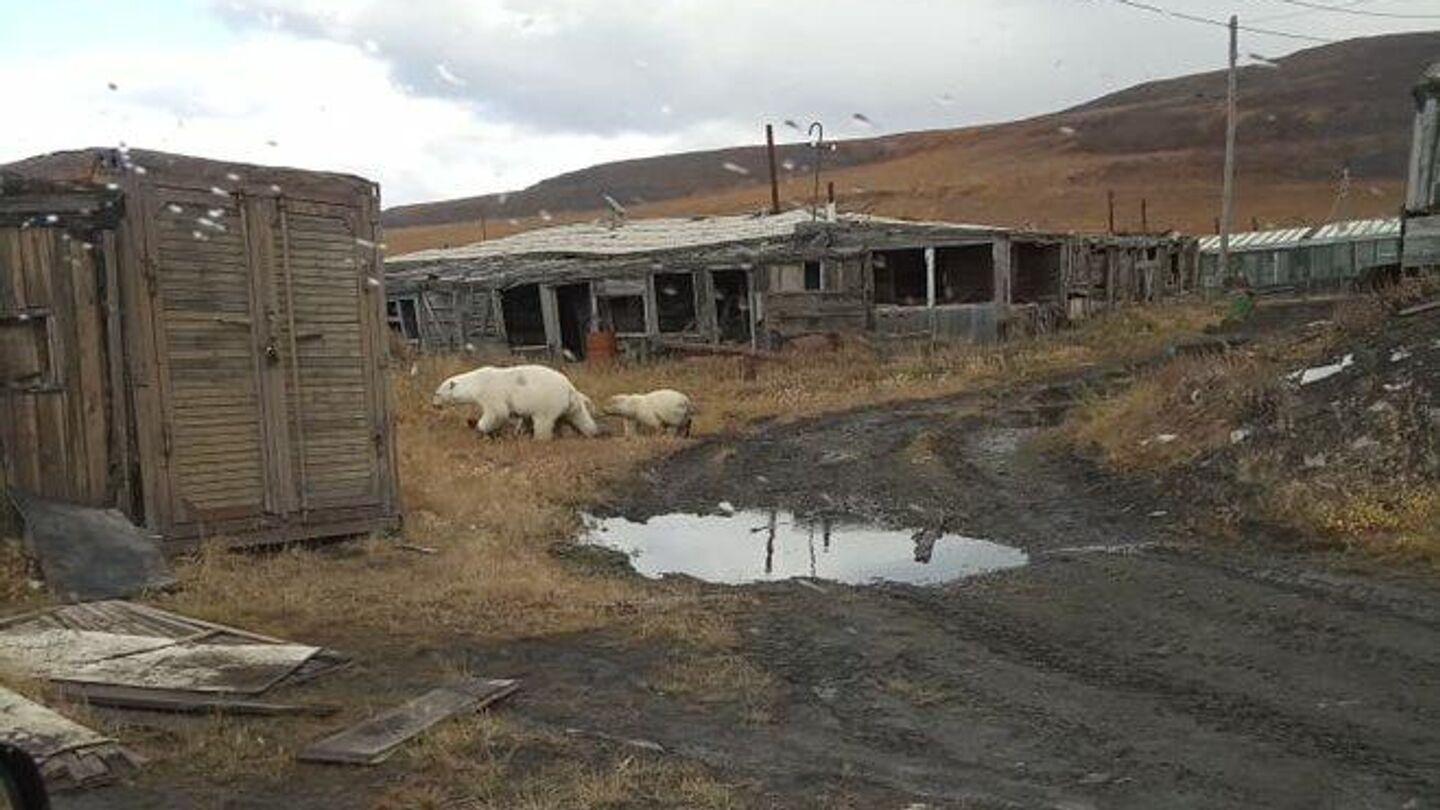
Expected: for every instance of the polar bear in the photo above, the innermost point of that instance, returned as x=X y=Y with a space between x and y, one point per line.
x=542 y=395
x=656 y=410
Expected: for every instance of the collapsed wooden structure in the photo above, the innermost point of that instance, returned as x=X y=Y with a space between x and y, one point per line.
x=197 y=344
x=763 y=279
x=1421 y=215
x=1309 y=257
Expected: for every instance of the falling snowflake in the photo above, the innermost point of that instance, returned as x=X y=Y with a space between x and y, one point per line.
x=219 y=192
x=1067 y=131
x=274 y=189
x=174 y=209
x=788 y=165
x=546 y=215
x=372 y=281
x=448 y=77
x=137 y=168
x=51 y=219
x=112 y=186
x=215 y=213
x=232 y=177
x=734 y=167
x=199 y=237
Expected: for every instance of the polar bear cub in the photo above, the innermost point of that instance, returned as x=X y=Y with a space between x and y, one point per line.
x=542 y=395
x=656 y=410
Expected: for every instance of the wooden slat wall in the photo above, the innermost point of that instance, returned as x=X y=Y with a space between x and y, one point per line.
x=333 y=447
x=204 y=282
x=53 y=418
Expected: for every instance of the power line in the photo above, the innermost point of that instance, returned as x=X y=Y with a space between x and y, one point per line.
x=1180 y=15
x=1290 y=15
x=1358 y=12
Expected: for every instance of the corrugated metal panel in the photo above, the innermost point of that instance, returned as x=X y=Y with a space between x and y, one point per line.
x=1287 y=238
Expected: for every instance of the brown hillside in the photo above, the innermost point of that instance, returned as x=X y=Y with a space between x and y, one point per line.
x=1318 y=112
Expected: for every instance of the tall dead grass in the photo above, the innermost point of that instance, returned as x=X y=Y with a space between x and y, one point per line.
x=494 y=507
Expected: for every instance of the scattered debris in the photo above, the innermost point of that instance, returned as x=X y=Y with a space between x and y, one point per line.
x=1419 y=308
x=646 y=745
x=419 y=549
x=117 y=643
x=1239 y=435
x=88 y=553
x=1399 y=354
x=69 y=754
x=184 y=702
x=1317 y=373
x=373 y=740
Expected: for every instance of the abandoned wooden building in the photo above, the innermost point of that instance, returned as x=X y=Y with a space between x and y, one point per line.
x=1308 y=257
x=197 y=344
x=762 y=279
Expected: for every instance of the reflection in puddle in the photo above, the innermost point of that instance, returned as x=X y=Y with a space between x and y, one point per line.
x=761 y=546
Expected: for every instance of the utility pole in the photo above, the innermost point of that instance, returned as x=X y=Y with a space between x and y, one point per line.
x=482 y=225
x=1110 y=201
x=774 y=177
x=1228 y=189
x=1144 y=215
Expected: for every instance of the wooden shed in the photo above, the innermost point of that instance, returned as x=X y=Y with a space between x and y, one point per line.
x=198 y=344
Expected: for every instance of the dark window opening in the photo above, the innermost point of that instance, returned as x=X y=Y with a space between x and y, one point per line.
x=965 y=275
x=813 y=276
x=732 y=305
x=524 y=322
x=26 y=340
x=899 y=277
x=623 y=313
x=675 y=300
x=572 y=304
x=403 y=318
x=1036 y=271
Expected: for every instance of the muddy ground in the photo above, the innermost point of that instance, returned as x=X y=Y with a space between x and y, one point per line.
x=1135 y=662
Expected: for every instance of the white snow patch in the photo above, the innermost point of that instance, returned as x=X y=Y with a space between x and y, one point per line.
x=1317 y=373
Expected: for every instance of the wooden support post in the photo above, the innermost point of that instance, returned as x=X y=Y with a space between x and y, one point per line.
x=1110 y=202
x=1144 y=215
x=1228 y=185
x=774 y=175
x=930 y=277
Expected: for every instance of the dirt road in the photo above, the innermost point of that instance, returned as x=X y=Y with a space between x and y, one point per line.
x=1132 y=663
x=1136 y=661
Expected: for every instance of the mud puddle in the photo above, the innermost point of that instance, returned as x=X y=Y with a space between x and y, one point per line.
x=743 y=547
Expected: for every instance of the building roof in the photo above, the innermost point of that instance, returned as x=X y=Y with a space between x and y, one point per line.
x=640 y=236
x=1359 y=230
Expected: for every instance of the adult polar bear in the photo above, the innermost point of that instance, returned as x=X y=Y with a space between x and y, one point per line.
x=540 y=394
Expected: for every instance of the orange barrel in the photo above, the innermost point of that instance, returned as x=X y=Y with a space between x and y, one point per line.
x=601 y=347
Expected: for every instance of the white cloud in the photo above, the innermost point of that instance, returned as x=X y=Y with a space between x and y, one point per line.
x=438 y=98
x=271 y=97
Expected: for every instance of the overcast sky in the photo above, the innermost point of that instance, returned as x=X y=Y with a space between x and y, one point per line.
x=447 y=98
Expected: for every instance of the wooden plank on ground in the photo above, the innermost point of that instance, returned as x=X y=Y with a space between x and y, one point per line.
x=185 y=702
x=1419 y=308
x=373 y=740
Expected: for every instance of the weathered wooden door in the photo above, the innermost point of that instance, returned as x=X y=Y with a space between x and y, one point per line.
x=325 y=331
x=272 y=400
x=210 y=359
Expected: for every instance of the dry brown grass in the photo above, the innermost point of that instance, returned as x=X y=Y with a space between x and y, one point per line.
x=1396 y=523
x=494 y=507
x=16 y=593
x=485 y=761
